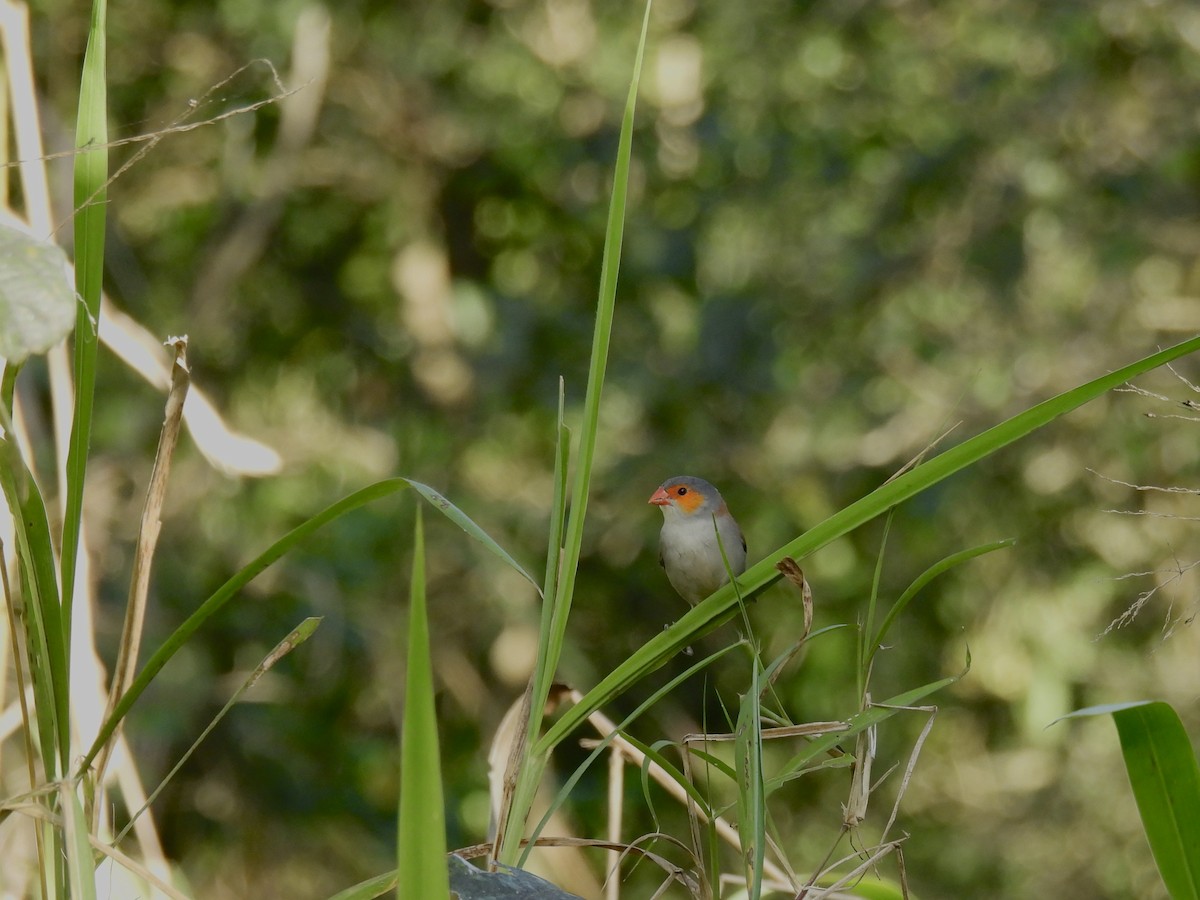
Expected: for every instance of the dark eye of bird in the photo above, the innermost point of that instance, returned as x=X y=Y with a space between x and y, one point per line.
x=681 y=491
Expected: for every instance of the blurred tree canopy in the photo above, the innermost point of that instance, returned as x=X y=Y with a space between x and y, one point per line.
x=852 y=227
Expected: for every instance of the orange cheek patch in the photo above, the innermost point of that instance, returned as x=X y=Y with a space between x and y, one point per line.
x=689 y=502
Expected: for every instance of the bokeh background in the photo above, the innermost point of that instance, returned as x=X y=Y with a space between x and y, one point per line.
x=852 y=226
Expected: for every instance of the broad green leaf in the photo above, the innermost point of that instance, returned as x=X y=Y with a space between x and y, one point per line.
x=1165 y=778
x=37 y=302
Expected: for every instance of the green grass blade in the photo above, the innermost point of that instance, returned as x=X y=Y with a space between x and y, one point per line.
x=42 y=632
x=938 y=568
x=91 y=173
x=871 y=889
x=654 y=755
x=558 y=513
x=45 y=634
x=1165 y=778
x=569 y=784
x=369 y=889
x=948 y=463
x=568 y=563
x=295 y=638
x=605 y=305
x=867 y=625
x=53 y=668
x=226 y=592
x=80 y=870
x=710 y=613
x=421 y=839
x=751 y=797
x=713 y=762
x=459 y=518
x=872 y=715
x=250 y=571
x=530 y=768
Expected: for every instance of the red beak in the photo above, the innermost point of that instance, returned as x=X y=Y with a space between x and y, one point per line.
x=660 y=497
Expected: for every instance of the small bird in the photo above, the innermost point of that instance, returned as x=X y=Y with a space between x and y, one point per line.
x=688 y=548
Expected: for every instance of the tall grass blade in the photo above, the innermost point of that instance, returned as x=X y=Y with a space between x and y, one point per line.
x=295 y=638
x=605 y=306
x=867 y=625
x=871 y=716
x=369 y=889
x=91 y=174
x=710 y=613
x=44 y=630
x=751 y=798
x=251 y=570
x=520 y=766
x=463 y=521
x=647 y=704
x=566 y=569
x=558 y=514
x=421 y=851
x=80 y=869
x=938 y=568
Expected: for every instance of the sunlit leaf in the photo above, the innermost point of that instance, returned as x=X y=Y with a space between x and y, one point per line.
x=1165 y=778
x=37 y=302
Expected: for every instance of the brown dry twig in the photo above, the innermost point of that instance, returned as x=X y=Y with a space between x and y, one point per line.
x=151 y=526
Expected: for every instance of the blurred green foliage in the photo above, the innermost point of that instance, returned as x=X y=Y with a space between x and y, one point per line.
x=851 y=227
